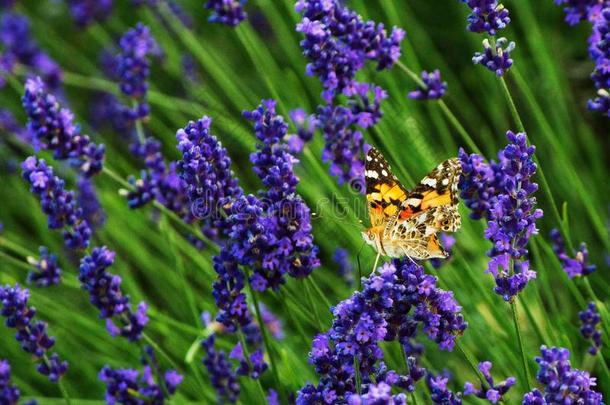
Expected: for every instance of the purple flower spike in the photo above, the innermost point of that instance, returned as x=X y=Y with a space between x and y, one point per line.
x=377 y=394
x=130 y=386
x=31 y=334
x=9 y=393
x=440 y=392
x=497 y=60
x=502 y=193
x=434 y=88
x=487 y=16
x=345 y=268
x=393 y=303
x=305 y=125
x=589 y=329
x=54 y=129
x=561 y=383
x=228 y=12
x=133 y=67
x=58 y=204
x=574 y=267
x=20 y=47
x=86 y=12
x=338 y=42
x=105 y=294
x=600 y=52
x=47 y=271
x=205 y=168
x=494 y=392
x=222 y=376
x=579 y=10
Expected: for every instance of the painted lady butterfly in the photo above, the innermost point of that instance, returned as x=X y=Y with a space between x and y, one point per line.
x=406 y=223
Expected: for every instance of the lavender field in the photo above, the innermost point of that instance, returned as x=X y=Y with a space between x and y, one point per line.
x=225 y=201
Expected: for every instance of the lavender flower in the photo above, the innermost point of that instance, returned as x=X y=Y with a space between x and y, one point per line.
x=54 y=129
x=58 y=204
x=433 y=89
x=497 y=58
x=88 y=201
x=133 y=67
x=130 y=386
x=272 y=323
x=494 y=392
x=589 y=329
x=105 y=294
x=159 y=181
x=228 y=286
x=378 y=394
x=578 y=10
x=282 y=241
x=228 y=12
x=393 y=302
x=272 y=397
x=447 y=241
x=9 y=125
x=341 y=259
x=338 y=42
x=86 y=12
x=9 y=393
x=205 y=168
x=31 y=334
x=487 y=16
x=574 y=267
x=222 y=376
x=439 y=392
x=601 y=55
x=254 y=366
x=502 y=193
x=47 y=269
x=342 y=127
x=19 y=46
x=478 y=183
x=561 y=383
x=305 y=125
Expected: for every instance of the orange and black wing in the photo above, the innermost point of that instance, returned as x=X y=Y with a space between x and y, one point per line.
x=438 y=189
x=384 y=193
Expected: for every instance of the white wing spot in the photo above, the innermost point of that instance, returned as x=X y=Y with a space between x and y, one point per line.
x=429 y=182
x=412 y=201
x=384 y=172
x=445 y=182
x=372 y=173
x=368 y=158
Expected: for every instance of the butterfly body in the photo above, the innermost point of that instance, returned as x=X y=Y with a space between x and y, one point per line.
x=406 y=223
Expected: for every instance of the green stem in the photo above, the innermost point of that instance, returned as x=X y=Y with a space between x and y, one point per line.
x=158 y=349
x=312 y=305
x=265 y=332
x=545 y=185
x=139 y=126
x=471 y=362
x=244 y=345
x=521 y=347
x=445 y=109
x=64 y=391
x=171 y=214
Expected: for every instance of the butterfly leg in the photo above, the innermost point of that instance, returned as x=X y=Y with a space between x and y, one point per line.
x=376 y=261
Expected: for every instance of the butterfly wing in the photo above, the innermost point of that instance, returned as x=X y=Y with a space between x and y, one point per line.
x=384 y=193
x=416 y=237
x=430 y=207
x=438 y=189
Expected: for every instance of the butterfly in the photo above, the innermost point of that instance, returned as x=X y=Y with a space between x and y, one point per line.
x=406 y=223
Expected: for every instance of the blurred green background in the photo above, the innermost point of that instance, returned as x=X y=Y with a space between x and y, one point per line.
x=262 y=59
